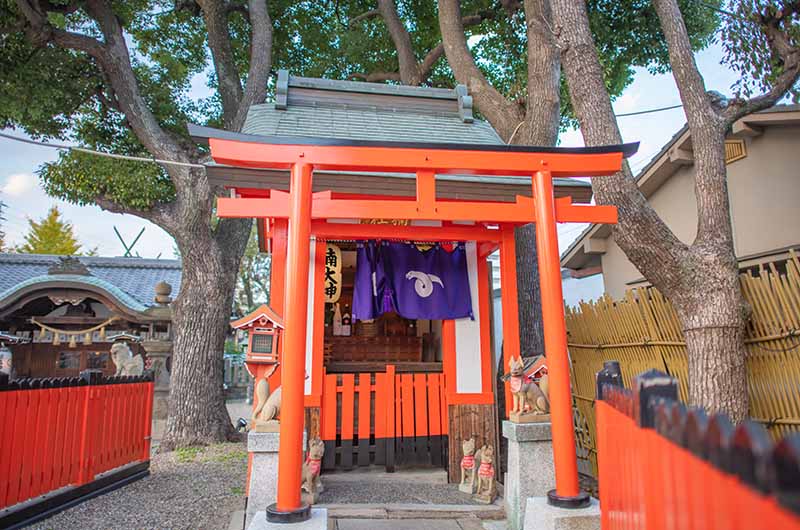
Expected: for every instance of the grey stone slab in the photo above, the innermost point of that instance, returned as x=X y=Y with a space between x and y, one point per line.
x=405 y=524
x=264 y=471
x=530 y=467
x=527 y=432
x=541 y=516
x=318 y=521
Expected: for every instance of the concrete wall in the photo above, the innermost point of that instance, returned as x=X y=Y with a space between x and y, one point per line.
x=764 y=190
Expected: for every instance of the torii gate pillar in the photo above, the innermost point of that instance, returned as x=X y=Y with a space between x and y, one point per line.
x=289 y=507
x=567 y=493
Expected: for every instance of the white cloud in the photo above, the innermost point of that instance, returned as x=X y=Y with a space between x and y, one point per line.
x=19 y=184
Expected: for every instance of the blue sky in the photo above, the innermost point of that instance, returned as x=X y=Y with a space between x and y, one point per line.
x=24 y=197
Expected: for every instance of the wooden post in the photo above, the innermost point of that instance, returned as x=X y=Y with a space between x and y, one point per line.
x=567 y=493
x=288 y=508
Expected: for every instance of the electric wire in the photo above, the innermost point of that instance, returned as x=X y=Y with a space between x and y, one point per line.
x=101 y=153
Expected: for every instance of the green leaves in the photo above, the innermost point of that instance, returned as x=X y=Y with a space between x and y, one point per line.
x=81 y=178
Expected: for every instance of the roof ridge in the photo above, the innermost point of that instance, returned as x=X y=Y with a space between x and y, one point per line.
x=372 y=88
x=96 y=261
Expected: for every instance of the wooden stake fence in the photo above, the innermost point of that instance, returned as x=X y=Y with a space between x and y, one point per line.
x=642 y=331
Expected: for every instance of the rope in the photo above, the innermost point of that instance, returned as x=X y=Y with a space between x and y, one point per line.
x=76 y=333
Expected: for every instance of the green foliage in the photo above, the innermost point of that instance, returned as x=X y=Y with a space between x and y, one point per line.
x=252 y=285
x=746 y=46
x=51 y=235
x=80 y=178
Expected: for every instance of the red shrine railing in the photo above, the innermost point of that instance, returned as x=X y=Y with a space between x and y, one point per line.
x=64 y=432
x=663 y=466
x=383 y=418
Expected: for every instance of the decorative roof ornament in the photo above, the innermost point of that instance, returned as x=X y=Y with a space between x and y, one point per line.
x=163 y=291
x=464 y=104
x=69 y=265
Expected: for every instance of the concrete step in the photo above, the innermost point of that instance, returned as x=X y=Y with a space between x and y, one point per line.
x=416 y=511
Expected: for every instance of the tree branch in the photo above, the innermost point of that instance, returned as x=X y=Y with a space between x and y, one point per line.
x=375 y=77
x=409 y=69
x=643 y=236
x=501 y=112
x=372 y=13
x=219 y=41
x=781 y=45
x=255 y=90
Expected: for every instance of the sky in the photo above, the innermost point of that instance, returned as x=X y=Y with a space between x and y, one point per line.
x=25 y=199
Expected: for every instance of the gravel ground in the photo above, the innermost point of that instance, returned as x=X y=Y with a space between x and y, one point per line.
x=385 y=492
x=194 y=488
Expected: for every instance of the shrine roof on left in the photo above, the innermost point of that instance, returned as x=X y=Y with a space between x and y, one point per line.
x=131 y=281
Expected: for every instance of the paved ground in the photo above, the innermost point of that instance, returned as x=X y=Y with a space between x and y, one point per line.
x=418 y=524
x=192 y=489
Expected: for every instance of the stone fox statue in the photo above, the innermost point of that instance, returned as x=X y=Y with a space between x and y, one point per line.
x=312 y=467
x=528 y=396
x=268 y=405
x=469 y=463
x=125 y=361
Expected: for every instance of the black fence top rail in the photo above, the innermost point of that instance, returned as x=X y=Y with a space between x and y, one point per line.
x=86 y=377
x=745 y=451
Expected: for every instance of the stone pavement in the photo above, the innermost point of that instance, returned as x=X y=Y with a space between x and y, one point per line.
x=416 y=524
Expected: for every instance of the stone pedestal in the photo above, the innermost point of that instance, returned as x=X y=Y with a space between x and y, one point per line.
x=264 y=471
x=158 y=351
x=318 y=521
x=541 y=516
x=530 y=467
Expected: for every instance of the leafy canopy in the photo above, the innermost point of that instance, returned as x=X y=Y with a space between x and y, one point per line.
x=48 y=91
x=51 y=235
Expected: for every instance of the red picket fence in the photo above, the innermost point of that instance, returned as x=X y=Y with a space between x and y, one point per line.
x=383 y=418
x=662 y=466
x=66 y=431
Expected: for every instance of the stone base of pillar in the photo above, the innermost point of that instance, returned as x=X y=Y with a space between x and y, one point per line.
x=539 y=515
x=160 y=404
x=530 y=468
x=318 y=521
x=264 y=472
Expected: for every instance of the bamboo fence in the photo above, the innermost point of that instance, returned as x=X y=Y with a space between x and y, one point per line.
x=642 y=331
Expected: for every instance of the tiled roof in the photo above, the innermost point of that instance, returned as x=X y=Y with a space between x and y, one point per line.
x=358 y=122
x=133 y=278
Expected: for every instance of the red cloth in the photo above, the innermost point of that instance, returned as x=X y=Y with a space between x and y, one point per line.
x=468 y=462
x=486 y=470
x=314 y=465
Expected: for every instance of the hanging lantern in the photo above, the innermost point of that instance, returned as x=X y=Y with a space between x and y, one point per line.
x=56 y=339
x=87 y=339
x=72 y=341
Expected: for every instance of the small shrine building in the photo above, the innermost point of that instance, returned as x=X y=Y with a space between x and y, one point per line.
x=336 y=167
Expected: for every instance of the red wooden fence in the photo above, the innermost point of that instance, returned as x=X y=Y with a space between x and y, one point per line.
x=383 y=418
x=65 y=431
x=662 y=466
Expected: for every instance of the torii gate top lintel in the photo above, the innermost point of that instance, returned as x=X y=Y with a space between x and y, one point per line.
x=276 y=152
x=309 y=213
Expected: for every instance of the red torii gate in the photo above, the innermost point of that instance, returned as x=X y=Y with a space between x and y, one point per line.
x=308 y=213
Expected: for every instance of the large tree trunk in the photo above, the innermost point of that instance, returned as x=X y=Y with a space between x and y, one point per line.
x=201 y=317
x=529 y=301
x=699 y=279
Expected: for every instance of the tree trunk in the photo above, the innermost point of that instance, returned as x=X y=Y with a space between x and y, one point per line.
x=699 y=279
x=201 y=317
x=529 y=301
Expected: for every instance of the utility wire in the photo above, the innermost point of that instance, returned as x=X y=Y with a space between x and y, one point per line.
x=199 y=166
x=100 y=153
x=648 y=111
